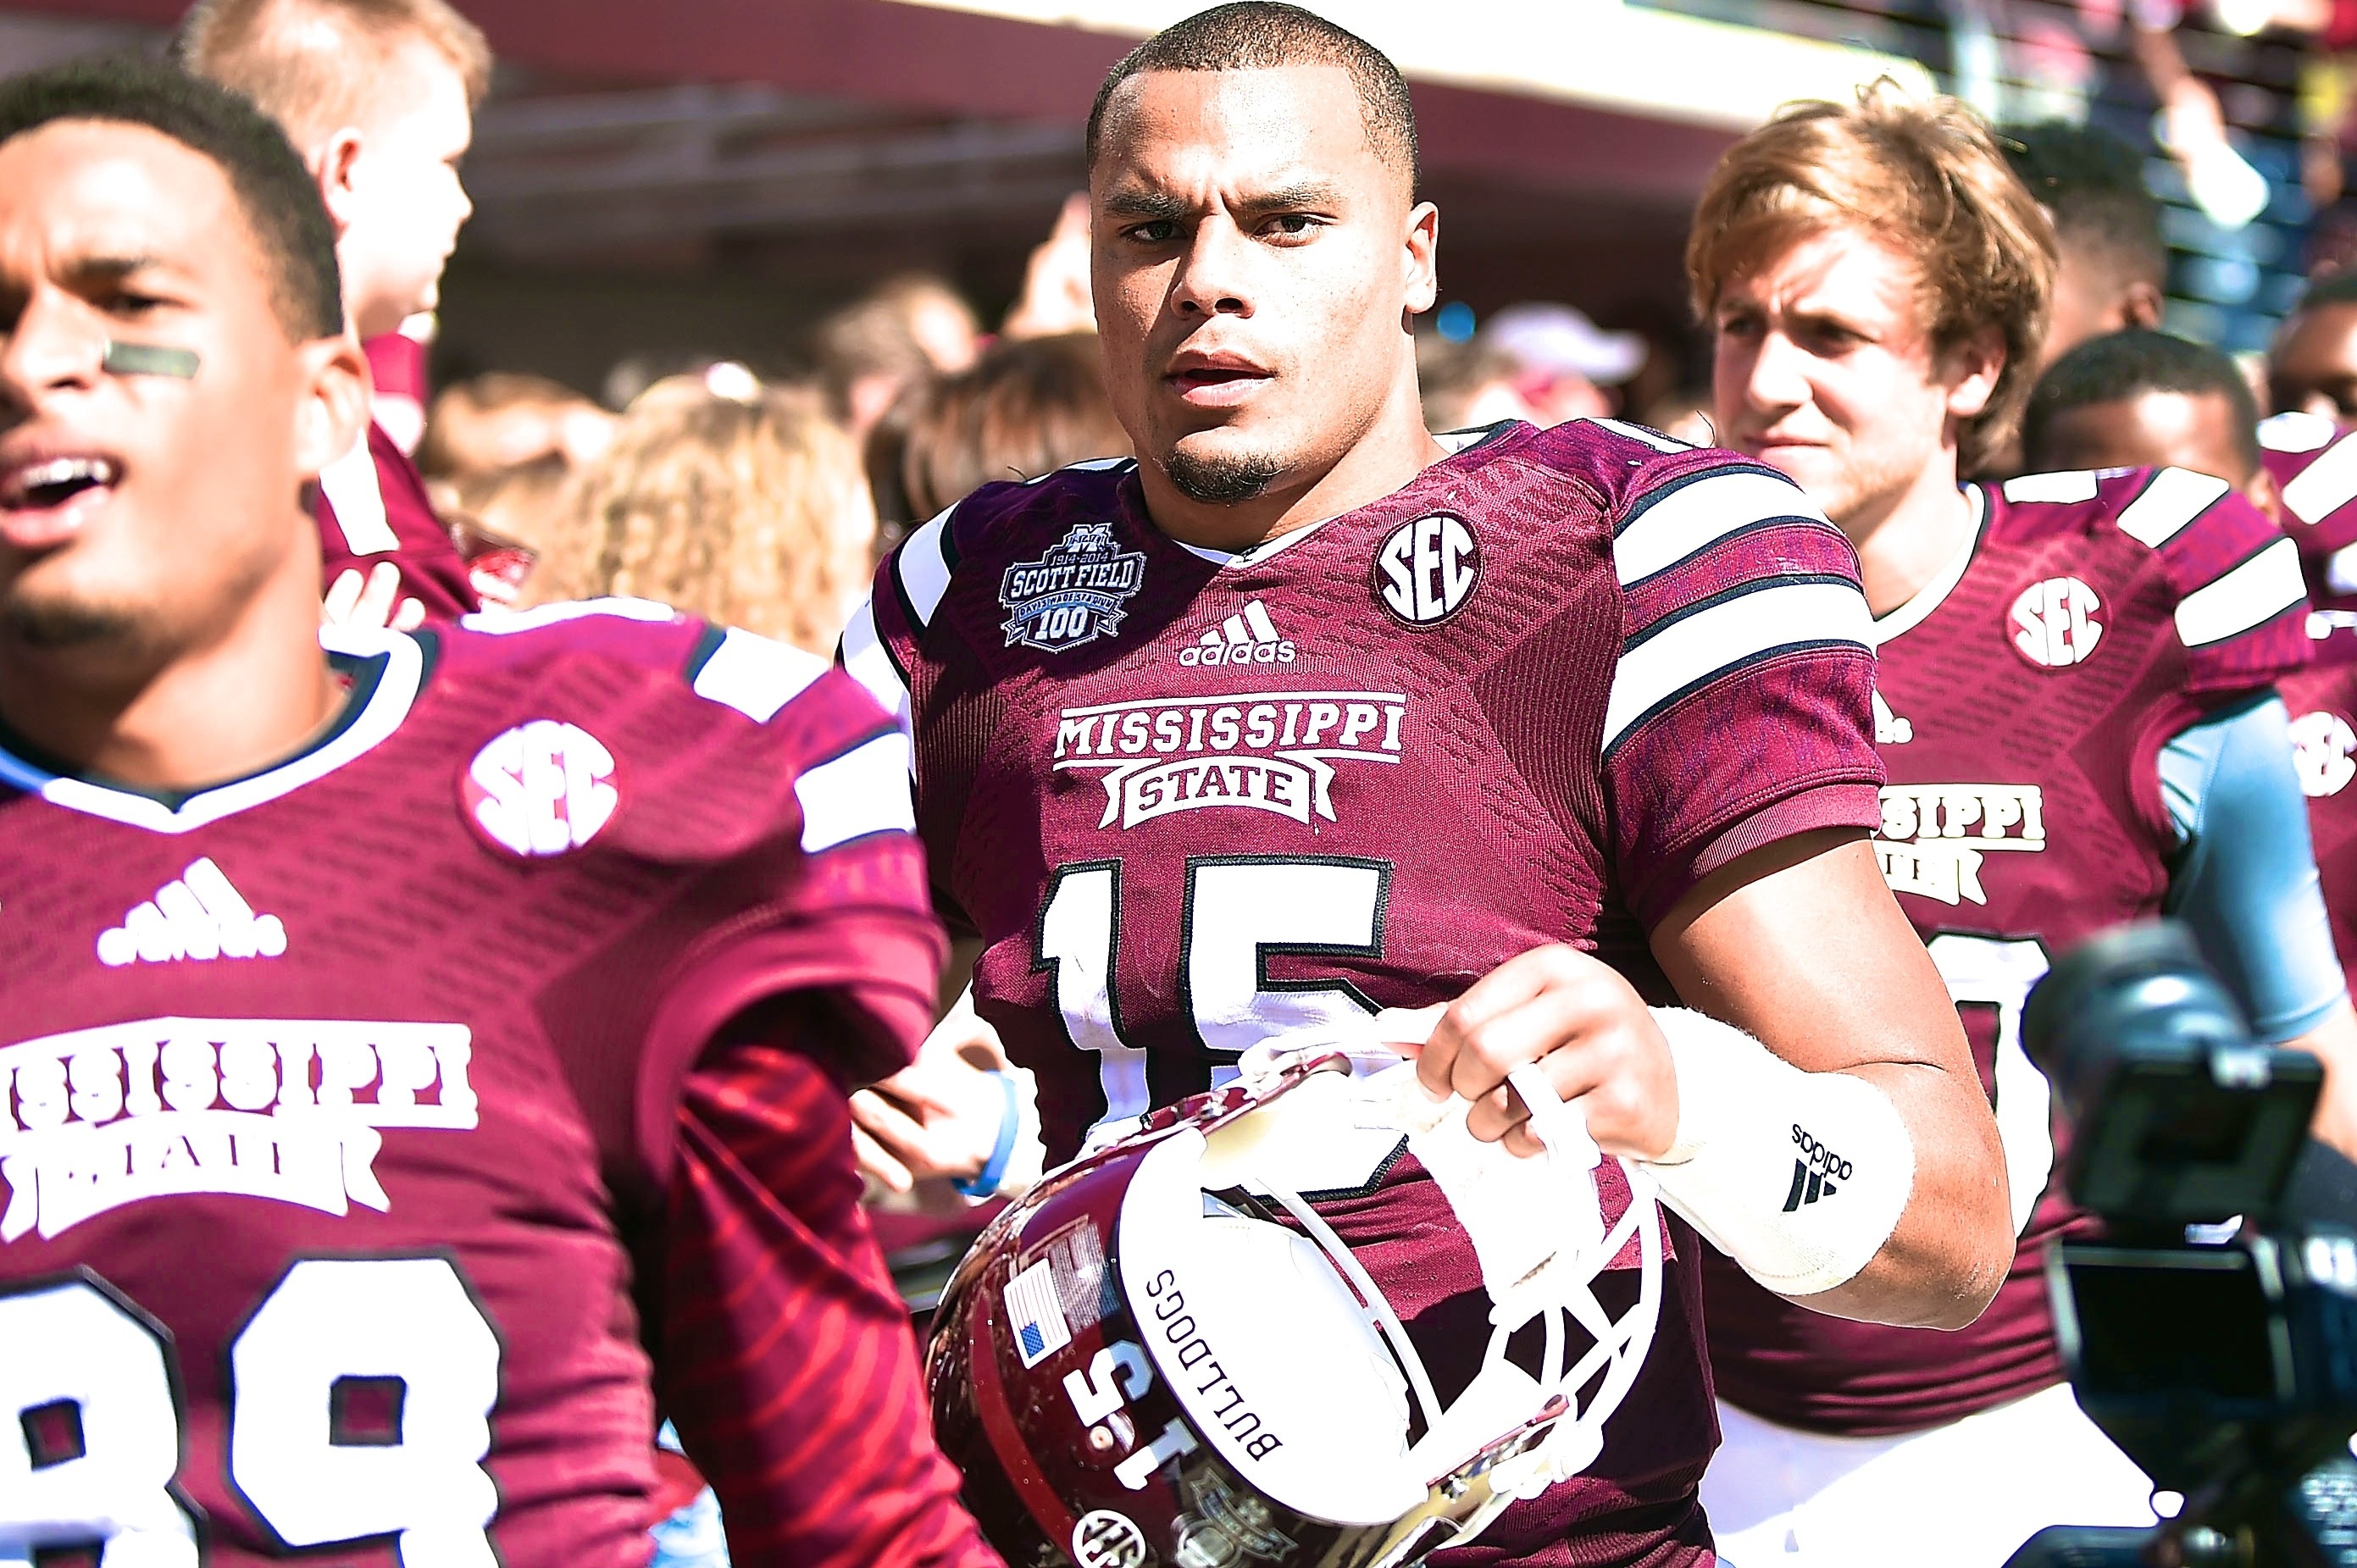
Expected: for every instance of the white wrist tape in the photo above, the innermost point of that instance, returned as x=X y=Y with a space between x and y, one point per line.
x=1799 y=1176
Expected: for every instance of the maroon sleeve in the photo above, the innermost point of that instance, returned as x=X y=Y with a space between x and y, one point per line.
x=1741 y=710
x=383 y=515
x=787 y=1362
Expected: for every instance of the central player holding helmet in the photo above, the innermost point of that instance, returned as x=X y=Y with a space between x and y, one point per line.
x=1555 y=724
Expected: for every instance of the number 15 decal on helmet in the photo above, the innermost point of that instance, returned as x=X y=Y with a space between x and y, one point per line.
x=1163 y=1356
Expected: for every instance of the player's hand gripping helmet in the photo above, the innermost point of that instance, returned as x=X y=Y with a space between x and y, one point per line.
x=1163 y=1356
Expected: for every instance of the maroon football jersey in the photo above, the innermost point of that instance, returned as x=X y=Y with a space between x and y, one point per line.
x=339 y=1101
x=1191 y=801
x=2314 y=464
x=372 y=508
x=2023 y=697
x=2322 y=702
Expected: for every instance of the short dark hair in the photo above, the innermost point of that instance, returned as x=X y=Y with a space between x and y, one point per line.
x=1262 y=35
x=2123 y=365
x=2332 y=288
x=277 y=194
x=2093 y=183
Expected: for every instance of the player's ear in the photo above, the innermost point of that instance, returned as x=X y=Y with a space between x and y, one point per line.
x=1422 y=257
x=2261 y=491
x=2141 y=306
x=1971 y=369
x=334 y=409
x=332 y=163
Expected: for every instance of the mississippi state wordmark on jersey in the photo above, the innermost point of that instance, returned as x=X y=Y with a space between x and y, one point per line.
x=1533 y=697
x=340 y=1103
x=2024 y=698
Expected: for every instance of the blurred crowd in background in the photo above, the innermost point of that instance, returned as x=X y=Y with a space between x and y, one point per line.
x=762 y=501
x=2196 y=160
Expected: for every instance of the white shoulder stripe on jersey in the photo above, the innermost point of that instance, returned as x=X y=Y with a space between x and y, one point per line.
x=505 y=623
x=755 y=675
x=1677 y=523
x=2325 y=486
x=2295 y=431
x=2174 y=498
x=864 y=790
x=2063 y=487
x=1653 y=438
x=867 y=660
x=353 y=489
x=2253 y=594
x=923 y=568
x=1690 y=651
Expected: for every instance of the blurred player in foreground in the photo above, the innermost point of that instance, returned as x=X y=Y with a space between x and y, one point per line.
x=1302 y=714
x=378 y=96
x=382 y=1021
x=2142 y=398
x=2075 y=670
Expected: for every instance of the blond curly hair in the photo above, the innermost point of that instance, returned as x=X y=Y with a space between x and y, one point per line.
x=751 y=512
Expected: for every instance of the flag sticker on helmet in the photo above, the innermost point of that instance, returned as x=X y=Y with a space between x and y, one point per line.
x=1037 y=1312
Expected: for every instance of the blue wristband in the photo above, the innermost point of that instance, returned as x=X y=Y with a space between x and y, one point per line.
x=985 y=1182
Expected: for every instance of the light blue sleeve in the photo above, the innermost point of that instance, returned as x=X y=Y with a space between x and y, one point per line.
x=2245 y=876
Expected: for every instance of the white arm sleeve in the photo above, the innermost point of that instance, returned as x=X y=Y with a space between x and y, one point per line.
x=1799 y=1176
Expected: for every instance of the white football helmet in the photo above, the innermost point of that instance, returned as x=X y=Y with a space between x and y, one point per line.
x=1162 y=1355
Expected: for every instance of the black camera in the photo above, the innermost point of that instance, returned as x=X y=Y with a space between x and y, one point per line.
x=2212 y=1334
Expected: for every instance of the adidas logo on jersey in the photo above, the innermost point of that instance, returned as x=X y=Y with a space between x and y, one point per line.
x=1814 y=1171
x=199 y=917
x=1248 y=637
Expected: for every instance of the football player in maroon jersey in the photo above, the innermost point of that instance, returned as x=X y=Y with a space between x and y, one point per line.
x=399 y=1038
x=379 y=99
x=1301 y=714
x=2063 y=661
x=2141 y=399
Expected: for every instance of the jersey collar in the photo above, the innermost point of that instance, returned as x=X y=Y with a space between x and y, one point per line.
x=1454 y=443
x=1906 y=618
x=386 y=669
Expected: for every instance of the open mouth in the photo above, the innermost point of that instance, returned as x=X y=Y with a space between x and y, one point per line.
x=44 y=500
x=46 y=486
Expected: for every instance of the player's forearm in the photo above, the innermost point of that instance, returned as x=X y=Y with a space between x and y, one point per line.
x=1866 y=1193
x=1809 y=954
x=1953 y=1242
x=788 y=1362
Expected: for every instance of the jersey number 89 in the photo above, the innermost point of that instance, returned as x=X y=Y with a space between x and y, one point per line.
x=91 y=1453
